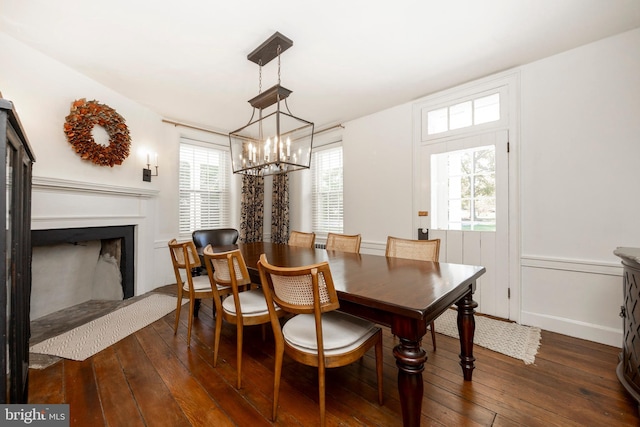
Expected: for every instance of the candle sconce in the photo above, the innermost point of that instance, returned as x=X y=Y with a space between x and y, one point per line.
x=146 y=172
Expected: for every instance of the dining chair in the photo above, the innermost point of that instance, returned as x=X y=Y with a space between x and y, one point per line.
x=317 y=334
x=241 y=307
x=343 y=242
x=213 y=237
x=185 y=259
x=421 y=250
x=303 y=240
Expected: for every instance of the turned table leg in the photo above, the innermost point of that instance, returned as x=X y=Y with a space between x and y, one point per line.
x=466 y=329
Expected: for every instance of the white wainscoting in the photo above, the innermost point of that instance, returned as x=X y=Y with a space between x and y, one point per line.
x=580 y=298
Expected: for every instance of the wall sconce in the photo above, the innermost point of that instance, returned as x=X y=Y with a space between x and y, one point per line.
x=146 y=172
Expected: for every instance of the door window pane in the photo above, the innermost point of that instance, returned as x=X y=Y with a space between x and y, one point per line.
x=486 y=109
x=464 y=189
x=460 y=115
x=437 y=121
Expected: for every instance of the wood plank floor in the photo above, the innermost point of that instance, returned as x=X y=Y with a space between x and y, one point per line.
x=151 y=378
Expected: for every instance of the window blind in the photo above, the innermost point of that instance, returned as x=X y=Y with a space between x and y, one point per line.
x=204 y=188
x=327 y=189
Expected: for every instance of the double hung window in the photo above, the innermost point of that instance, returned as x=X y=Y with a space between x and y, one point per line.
x=326 y=191
x=204 y=186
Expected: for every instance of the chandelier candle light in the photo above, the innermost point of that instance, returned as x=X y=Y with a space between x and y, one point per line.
x=277 y=142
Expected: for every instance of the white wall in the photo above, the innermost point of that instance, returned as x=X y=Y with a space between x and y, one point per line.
x=378 y=168
x=579 y=175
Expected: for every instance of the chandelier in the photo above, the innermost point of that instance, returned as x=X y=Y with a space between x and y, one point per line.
x=277 y=141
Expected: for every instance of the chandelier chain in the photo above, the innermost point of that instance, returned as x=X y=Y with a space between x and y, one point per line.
x=260 y=76
x=279 y=51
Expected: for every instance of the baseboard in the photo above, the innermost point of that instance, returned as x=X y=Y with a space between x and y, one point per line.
x=574 y=328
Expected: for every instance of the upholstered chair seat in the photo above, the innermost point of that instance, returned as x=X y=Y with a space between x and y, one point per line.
x=341 y=332
x=252 y=303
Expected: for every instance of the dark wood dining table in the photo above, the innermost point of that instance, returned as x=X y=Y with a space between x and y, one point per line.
x=404 y=295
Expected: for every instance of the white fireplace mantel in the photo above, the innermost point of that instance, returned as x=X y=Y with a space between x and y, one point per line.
x=56 y=184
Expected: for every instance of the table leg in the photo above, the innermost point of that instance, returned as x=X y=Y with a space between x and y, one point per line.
x=466 y=329
x=410 y=359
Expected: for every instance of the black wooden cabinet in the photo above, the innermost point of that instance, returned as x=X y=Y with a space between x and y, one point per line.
x=15 y=244
x=629 y=367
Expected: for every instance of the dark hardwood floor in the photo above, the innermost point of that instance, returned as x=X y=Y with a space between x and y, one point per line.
x=151 y=378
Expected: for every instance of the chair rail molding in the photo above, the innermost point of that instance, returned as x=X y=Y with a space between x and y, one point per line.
x=575 y=265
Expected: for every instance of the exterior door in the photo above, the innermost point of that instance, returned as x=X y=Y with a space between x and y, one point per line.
x=464 y=185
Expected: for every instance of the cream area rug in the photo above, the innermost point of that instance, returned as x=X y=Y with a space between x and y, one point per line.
x=514 y=340
x=90 y=338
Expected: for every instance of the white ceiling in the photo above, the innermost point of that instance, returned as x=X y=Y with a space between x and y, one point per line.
x=187 y=60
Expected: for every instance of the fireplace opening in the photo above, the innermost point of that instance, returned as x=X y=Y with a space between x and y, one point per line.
x=75 y=265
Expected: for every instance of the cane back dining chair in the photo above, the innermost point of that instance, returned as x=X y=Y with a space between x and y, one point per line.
x=317 y=334
x=343 y=242
x=421 y=250
x=300 y=239
x=185 y=259
x=241 y=307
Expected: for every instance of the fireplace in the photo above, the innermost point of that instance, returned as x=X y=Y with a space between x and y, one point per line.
x=117 y=239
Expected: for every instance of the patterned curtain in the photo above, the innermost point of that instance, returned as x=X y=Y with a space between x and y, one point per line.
x=280 y=209
x=252 y=209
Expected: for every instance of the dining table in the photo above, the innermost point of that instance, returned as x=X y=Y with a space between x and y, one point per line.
x=404 y=295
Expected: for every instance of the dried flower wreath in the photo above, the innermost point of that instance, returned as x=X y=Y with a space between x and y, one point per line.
x=79 y=123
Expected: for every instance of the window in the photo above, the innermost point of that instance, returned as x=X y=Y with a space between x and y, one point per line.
x=204 y=187
x=326 y=191
x=465 y=184
x=474 y=112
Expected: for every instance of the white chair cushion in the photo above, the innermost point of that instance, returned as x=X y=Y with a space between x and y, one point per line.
x=200 y=283
x=341 y=332
x=252 y=303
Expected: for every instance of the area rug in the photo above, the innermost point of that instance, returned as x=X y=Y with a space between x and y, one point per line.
x=90 y=338
x=514 y=340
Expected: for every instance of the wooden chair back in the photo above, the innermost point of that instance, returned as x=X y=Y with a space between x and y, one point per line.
x=220 y=265
x=344 y=242
x=420 y=250
x=300 y=239
x=297 y=290
x=184 y=255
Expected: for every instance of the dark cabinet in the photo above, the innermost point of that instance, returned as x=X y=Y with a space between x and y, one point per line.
x=15 y=244
x=628 y=370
